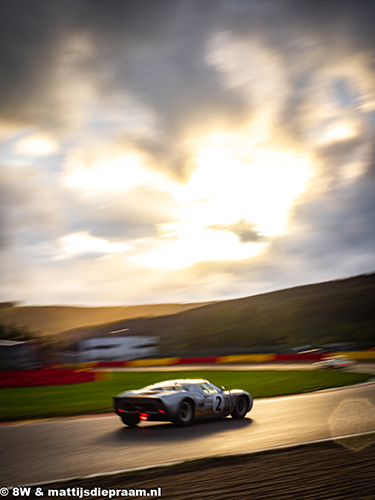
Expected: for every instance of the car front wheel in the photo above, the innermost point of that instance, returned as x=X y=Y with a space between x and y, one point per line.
x=185 y=413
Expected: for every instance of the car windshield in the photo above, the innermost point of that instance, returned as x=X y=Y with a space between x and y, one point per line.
x=209 y=388
x=162 y=387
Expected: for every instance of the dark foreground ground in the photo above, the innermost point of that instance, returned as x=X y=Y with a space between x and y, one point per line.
x=326 y=471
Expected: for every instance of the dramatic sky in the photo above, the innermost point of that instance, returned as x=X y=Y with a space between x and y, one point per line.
x=184 y=150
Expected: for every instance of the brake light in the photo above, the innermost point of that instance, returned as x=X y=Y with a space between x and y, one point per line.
x=161 y=411
x=122 y=411
x=143 y=416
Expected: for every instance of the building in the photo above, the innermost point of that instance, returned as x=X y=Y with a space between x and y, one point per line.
x=16 y=355
x=118 y=348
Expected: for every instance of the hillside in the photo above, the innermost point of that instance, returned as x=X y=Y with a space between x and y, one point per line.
x=50 y=320
x=336 y=311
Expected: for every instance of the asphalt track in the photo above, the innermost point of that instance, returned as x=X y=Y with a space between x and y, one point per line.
x=54 y=449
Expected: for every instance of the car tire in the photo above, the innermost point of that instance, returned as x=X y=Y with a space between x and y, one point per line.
x=240 y=408
x=185 y=413
x=130 y=420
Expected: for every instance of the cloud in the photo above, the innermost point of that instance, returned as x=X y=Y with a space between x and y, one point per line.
x=28 y=204
x=84 y=244
x=36 y=145
x=194 y=131
x=242 y=229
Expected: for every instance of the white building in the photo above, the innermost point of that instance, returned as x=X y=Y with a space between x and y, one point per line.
x=118 y=348
x=17 y=355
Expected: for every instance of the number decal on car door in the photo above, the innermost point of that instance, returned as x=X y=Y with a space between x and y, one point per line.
x=218 y=403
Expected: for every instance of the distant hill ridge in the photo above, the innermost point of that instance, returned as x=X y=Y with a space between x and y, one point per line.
x=50 y=320
x=335 y=311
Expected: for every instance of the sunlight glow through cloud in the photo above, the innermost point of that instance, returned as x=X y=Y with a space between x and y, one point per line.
x=341 y=132
x=36 y=145
x=83 y=243
x=108 y=172
x=223 y=191
x=232 y=182
x=260 y=191
x=194 y=244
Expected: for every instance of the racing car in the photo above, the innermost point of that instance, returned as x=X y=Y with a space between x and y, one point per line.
x=181 y=401
x=334 y=362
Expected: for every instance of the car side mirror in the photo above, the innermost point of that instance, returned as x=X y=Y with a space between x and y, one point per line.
x=222 y=389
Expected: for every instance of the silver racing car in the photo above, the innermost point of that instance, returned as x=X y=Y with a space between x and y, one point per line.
x=181 y=402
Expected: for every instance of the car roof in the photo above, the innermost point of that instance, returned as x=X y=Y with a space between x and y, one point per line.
x=181 y=381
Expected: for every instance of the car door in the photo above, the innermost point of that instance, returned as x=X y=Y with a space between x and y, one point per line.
x=214 y=399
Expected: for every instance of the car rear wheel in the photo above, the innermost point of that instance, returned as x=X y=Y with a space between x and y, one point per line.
x=185 y=413
x=240 y=408
x=130 y=420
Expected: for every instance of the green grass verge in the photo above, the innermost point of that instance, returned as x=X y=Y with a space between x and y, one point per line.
x=96 y=397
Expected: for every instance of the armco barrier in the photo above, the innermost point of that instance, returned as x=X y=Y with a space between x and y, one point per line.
x=47 y=376
x=299 y=357
x=74 y=366
x=196 y=361
x=152 y=362
x=356 y=355
x=246 y=358
x=110 y=364
x=233 y=358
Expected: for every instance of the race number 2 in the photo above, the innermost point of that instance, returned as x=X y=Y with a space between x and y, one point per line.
x=218 y=403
